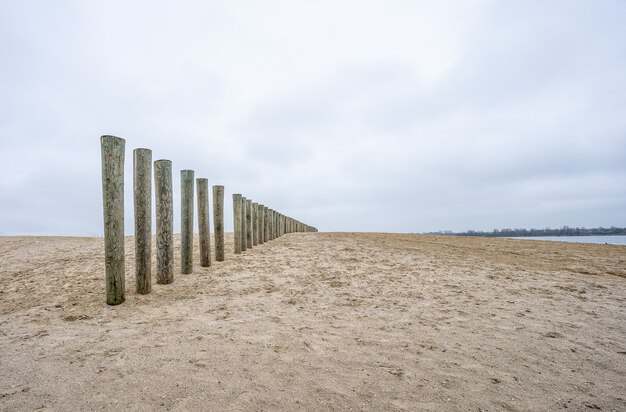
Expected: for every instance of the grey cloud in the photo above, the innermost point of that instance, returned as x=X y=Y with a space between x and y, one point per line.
x=473 y=115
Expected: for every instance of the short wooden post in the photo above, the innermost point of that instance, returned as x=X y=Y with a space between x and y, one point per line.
x=186 y=221
x=249 y=223
x=237 y=222
x=142 y=185
x=218 y=221
x=113 y=207
x=204 y=230
x=255 y=224
x=164 y=205
x=243 y=224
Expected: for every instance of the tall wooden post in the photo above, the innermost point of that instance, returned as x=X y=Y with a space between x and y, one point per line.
x=255 y=224
x=164 y=221
x=218 y=221
x=266 y=229
x=204 y=230
x=275 y=224
x=237 y=221
x=271 y=223
x=249 y=223
x=113 y=207
x=243 y=224
x=261 y=216
x=186 y=221
x=142 y=185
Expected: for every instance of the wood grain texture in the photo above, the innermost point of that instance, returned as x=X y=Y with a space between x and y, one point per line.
x=142 y=190
x=249 y=227
x=164 y=205
x=202 y=187
x=244 y=244
x=274 y=215
x=255 y=224
x=186 y=221
x=261 y=218
x=113 y=207
x=218 y=221
x=266 y=223
x=237 y=201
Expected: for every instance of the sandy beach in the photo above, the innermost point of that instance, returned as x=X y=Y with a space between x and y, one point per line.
x=319 y=321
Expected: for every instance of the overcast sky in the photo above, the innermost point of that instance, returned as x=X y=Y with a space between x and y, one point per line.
x=399 y=116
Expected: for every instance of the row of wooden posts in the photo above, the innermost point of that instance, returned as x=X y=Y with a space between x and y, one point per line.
x=253 y=223
x=256 y=224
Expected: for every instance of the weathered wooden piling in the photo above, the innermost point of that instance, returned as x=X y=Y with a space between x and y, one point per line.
x=261 y=219
x=202 y=187
x=243 y=224
x=249 y=223
x=113 y=207
x=271 y=224
x=237 y=221
x=164 y=205
x=142 y=190
x=255 y=224
x=186 y=221
x=218 y=221
x=266 y=223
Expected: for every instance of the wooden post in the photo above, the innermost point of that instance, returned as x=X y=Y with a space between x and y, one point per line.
x=186 y=221
x=164 y=221
x=271 y=224
x=237 y=221
x=218 y=221
x=142 y=185
x=249 y=223
x=259 y=211
x=275 y=224
x=266 y=230
x=243 y=224
x=113 y=207
x=204 y=230
x=255 y=224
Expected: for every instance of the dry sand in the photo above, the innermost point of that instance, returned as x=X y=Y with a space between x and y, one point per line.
x=321 y=321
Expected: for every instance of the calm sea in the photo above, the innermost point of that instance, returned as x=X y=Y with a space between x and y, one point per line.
x=611 y=240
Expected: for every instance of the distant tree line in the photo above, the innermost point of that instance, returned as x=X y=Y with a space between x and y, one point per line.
x=564 y=231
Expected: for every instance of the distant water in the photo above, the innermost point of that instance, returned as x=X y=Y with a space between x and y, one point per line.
x=611 y=240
